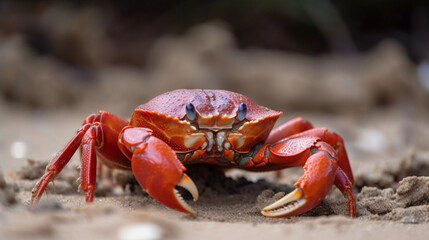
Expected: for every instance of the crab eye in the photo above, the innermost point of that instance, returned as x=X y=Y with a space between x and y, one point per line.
x=241 y=113
x=190 y=111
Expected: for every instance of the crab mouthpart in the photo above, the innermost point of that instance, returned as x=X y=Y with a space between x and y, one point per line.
x=186 y=183
x=286 y=205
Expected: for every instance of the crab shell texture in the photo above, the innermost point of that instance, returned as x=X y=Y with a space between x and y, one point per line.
x=216 y=110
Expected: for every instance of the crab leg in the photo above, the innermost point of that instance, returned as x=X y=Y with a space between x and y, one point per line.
x=344 y=184
x=287 y=129
x=89 y=162
x=58 y=163
x=157 y=168
x=97 y=138
x=337 y=142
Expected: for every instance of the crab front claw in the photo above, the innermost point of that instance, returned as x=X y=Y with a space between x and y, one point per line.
x=167 y=193
x=319 y=174
x=156 y=168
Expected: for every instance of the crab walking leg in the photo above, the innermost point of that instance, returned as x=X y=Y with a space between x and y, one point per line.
x=156 y=168
x=337 y=142
x=58 y=163
x=287 y=129
x=97 y=137
x=344 y=184
x=344 y=176
x=89 y=161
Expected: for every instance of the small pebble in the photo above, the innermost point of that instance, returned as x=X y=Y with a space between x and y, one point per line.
x=411 y=220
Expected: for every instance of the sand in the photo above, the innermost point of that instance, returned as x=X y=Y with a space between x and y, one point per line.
x=228 y=208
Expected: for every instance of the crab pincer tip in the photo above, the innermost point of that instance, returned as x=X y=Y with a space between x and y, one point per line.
x=186 y=183
x=285 y=206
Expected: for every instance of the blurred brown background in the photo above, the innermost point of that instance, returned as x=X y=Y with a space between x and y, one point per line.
x=359 y=67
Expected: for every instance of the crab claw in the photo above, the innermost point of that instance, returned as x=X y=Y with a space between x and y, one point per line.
x=161 y=183
x=186 y=183
x=287 y=205
x=311 y=188
x=168 y=195
x=157 y=169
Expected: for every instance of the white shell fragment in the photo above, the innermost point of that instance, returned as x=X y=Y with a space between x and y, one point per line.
x=141 y=231
x=18 y=149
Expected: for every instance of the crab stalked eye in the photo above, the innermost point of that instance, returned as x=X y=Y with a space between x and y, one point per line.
x=241 y=113
x=190 y=111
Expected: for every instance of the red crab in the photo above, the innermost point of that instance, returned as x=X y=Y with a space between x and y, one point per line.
x=207 y=126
